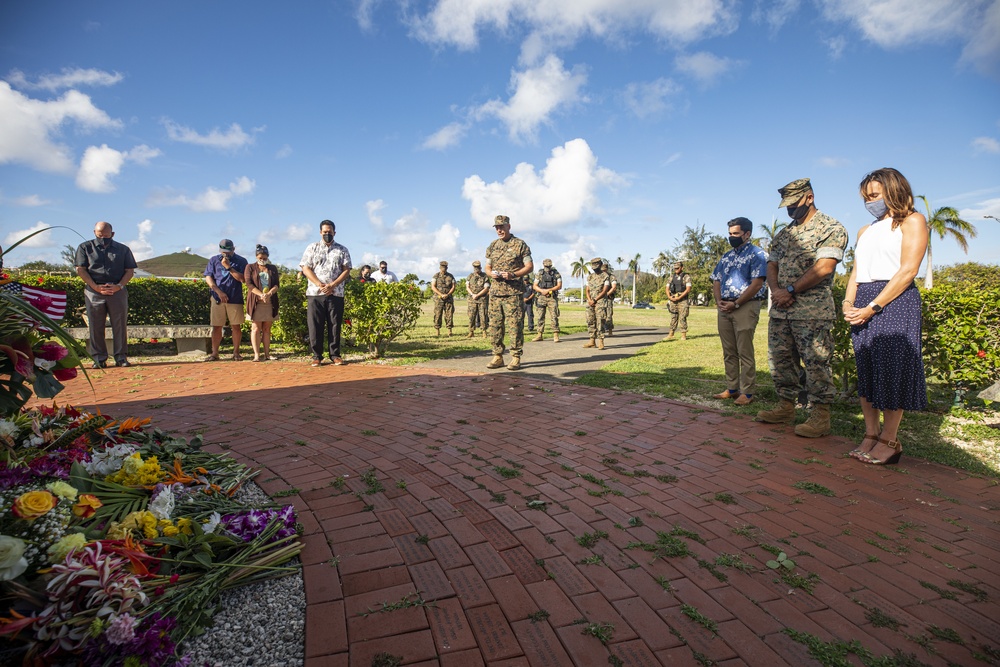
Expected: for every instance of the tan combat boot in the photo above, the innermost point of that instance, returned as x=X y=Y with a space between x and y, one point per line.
x=537 y=338
x=600 y=343
x=470 y=334
x=818 y=423
x=783 y=414
x=437 y=332
x=684 y=336
x=497 y=361
x=515 y=364
x=449 y=333
x=555 y=337
x=590 y=343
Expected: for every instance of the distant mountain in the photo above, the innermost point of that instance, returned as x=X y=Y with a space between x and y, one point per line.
x=174 y=265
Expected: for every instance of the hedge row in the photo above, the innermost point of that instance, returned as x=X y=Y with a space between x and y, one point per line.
x=961 y=320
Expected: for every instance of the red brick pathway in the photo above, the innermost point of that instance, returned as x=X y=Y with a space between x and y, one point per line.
x=523 y=512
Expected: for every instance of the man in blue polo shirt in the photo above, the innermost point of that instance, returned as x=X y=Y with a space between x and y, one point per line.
x=738 y=283
x=224 y=275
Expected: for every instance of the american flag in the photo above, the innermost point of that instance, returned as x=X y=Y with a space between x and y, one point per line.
x=50 y=302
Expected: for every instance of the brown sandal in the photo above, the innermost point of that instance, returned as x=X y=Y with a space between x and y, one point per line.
x=893 y=458
x=860 y=451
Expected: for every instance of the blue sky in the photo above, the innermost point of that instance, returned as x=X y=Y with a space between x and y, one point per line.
x=601 y=127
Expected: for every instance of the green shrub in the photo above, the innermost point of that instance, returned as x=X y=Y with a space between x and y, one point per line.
x=291 y=328
x=377 y=314
x=961 y=321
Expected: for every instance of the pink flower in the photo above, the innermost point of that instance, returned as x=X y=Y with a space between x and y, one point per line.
x=63 y=374
x=51 y=351
x=154 y=340
x=20 y=354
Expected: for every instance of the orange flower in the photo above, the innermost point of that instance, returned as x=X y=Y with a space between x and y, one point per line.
x=132 y=424
x=33 y=504
x=86 y=505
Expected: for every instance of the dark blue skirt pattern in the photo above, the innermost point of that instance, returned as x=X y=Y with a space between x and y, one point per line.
x=888 y=353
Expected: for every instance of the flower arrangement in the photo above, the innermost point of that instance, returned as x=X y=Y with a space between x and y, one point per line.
x=109 y=555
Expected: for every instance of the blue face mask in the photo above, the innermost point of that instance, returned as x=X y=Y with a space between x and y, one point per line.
x=877 y=208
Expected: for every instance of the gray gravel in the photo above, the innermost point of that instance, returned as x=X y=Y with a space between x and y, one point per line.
x=262 y=625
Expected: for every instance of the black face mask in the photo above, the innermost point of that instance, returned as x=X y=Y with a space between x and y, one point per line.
x=327 y=237
x=797 y=212
x=736 y=241
x=106 y=242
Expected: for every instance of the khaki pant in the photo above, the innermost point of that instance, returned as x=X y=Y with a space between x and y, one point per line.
x=736 y=331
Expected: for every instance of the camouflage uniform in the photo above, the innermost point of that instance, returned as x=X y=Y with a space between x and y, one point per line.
x=679 y=309
x=478 y=317
x=598 y=313
x=547 y=278
x=609 y=324
x=805 y=330
x=443 y=282
x=506 y=308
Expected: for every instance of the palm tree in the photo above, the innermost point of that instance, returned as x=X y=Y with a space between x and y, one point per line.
x=768 y=233
x=580 y=270
x=945 y=221
x=633 y=267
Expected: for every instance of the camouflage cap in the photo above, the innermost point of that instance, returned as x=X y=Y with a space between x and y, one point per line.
x=476 y=264
x=546 y=262
x=444 y=263
x=501 y=220
x=597 y=260
x=678 y=264
x=794 y=191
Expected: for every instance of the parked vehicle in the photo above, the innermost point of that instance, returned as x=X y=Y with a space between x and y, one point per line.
x=642 y=304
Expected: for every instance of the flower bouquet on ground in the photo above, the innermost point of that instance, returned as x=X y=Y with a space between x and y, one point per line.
x=117 y=539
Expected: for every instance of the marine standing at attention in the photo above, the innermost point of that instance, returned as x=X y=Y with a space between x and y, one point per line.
x=508 y=260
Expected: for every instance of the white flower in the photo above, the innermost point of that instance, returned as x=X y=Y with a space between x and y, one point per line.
x=109 y=461
x=12 y=560
x=162 y=506
x=7 y=428
x=44 y=364
x=212 y=523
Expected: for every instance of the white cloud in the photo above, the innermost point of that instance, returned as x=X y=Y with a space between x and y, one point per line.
x=418 y=247
x=28 y=127
x=564 y=191
x=776 y=14
x=232 y=139
x=374 y=209
x=907 y=23
x=142 y=248
x=975 y=213
x=836 y=45
x=283 y=152
x=448 y=136
x=705 y=67
x=43 y=240
x=538 y=93
x=551 y=24
x=985 y=145
x=647 y=98
x=212 y=199
x=101 y=163
x=833 y=162
x=298 y=232
x=30 y=201
x=673 y=157
x=69 y=78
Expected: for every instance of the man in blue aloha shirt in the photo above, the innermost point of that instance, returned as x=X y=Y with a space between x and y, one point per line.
x=738 y=283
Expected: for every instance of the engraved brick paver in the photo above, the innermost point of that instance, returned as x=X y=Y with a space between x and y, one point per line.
x=505 y=585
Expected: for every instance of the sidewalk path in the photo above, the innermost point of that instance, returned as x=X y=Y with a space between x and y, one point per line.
x=566 y=360
x=505 y=520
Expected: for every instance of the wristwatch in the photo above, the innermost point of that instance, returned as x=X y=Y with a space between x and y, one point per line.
x=791 y=289
x=875 y=307
x=736 y=304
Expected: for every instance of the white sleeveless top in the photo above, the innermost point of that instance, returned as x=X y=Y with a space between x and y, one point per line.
x=877 y=254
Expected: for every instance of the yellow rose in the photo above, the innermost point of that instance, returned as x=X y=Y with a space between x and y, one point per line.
x=62 y=489
x=86 y=505
x=33 y=504
x=184 y=525
x=67 y=543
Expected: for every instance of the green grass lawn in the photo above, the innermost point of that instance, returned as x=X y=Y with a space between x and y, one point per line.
x=691 y=371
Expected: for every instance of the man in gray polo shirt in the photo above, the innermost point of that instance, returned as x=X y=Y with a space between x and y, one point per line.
x=106 y=266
